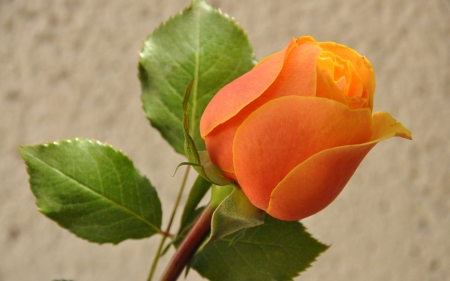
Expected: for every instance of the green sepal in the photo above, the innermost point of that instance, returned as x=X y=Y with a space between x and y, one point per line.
x=233 y=214
x=199 y=159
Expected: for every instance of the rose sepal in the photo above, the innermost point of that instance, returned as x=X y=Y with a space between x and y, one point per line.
x=234 y=212
x=200 y=160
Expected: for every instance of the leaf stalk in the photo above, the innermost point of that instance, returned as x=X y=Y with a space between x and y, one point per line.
x=165 y=233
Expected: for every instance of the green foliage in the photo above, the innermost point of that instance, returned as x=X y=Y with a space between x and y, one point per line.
x=191 y=210
x=276 y=250
x=234 y=213
x=201 y=45
x=198 y=191
x=198 y=159
x=93 y=190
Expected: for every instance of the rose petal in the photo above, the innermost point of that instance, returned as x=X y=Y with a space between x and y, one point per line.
x=384 y=127
x=219 y=144
x=326 y=88
x=285 y=132
x=315 y=183
x=355 y=85
x=356 y=102
x=326 y=64
x=298 y=76
x=342 y=84
x=341 y=69
x=361 y=64
x=242 y=91
x=288 y=49
x=306 y=40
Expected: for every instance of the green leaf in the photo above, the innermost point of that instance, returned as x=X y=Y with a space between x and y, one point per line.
x=233 y=214
x=93 y=190
x=199 y=44
x=276 y=250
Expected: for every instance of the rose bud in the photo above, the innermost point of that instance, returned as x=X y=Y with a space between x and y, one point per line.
x=293 y=130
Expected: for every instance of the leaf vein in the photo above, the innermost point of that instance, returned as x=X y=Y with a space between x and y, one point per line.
x=97 y=193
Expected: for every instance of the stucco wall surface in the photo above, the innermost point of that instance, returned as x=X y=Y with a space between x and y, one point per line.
x=68 y=69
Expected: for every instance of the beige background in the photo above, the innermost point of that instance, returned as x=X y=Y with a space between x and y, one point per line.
x=68 y=69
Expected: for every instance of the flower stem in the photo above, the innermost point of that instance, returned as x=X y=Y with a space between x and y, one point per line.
x=167 y=232
x=189 y=245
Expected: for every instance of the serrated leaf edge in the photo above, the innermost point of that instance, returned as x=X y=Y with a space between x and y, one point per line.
x=23 y=150
x=191 y=6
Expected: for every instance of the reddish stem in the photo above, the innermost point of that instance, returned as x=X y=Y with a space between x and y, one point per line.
x=189 y=245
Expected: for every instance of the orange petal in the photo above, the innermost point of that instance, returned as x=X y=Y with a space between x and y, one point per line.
x=298 y=76
x=315 y=183
x=326 y=88
x=357 y=102
x=386 y=127
x=242 y=91
x=356 y=86
x=306 y=40
x=342 y=83
x=288 y=49
x=285 y=132
x=341 y=69
x=219 y=143
x=361 y=64
x=326 y=64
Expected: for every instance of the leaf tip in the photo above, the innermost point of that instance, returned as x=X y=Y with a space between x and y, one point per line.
x=22 y=150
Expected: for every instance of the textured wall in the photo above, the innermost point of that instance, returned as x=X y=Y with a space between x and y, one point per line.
x=68 y=68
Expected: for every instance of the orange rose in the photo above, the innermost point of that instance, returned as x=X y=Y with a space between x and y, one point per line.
x=294 y=129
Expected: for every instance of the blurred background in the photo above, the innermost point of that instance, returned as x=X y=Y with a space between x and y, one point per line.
x=68 y=68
